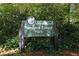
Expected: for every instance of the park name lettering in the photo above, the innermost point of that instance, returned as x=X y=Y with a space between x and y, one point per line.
x=40 y=27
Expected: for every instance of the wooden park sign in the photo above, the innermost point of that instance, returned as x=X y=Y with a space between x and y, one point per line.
x=39 y=28
x=35 y=28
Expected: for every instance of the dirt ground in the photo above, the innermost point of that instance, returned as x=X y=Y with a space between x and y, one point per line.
x=40 y=53
x=8 y=52
x=71 y=53
x=37 y=53
x=58 y=53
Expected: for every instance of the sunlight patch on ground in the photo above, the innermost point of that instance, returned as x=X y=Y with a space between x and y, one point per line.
x=8 y=52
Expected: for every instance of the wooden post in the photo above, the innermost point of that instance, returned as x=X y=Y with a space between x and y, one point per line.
x=21 y=39
x=56 y=35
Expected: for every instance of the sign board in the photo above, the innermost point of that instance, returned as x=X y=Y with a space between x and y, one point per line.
x=37 y=28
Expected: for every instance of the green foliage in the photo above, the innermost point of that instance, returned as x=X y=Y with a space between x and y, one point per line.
x=11 y=43
x=69 y=37
x=12 y=14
